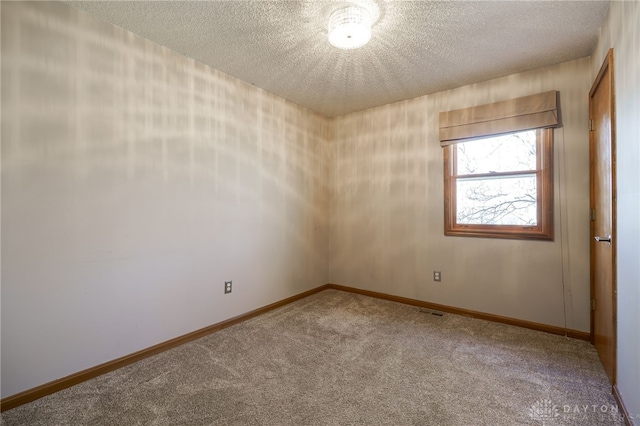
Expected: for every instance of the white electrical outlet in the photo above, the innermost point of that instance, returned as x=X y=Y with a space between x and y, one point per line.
x=227 y=286
x=437 y=276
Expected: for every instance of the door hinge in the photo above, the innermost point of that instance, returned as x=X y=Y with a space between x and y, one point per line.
x=593 y=304
x=590 y=125
x=592 y=214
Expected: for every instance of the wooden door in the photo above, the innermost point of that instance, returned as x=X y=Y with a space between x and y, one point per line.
x=603 y=216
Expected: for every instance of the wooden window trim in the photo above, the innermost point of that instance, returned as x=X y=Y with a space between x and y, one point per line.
x=544 y=228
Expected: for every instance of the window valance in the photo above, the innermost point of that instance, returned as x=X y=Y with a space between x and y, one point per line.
x=528 y=112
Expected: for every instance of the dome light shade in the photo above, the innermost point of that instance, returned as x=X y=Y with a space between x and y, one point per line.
x=349 y=27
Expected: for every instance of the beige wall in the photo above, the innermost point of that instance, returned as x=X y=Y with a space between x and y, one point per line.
x=135 y=181
x=622 y=32
x=387 y=208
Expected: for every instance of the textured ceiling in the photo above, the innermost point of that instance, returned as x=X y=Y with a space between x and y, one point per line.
x=418 y=47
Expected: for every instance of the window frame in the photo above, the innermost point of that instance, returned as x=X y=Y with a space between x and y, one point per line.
x=543 y=230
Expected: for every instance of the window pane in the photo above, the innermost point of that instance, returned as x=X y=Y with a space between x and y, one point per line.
x=497 y=201
x=507 y=153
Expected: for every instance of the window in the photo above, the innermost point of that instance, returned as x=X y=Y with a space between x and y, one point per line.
x=498 y=168
x=500 y=186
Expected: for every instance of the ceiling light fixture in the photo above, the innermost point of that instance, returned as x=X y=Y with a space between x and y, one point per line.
x=349 y=27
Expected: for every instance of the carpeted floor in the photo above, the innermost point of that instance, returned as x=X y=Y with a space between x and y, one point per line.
x=338 y=358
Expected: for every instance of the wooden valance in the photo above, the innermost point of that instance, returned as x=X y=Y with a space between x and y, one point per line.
x=528 y=112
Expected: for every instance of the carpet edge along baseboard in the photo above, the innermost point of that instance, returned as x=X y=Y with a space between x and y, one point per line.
x=45 y=389
x=48 y=388
x=575 y=334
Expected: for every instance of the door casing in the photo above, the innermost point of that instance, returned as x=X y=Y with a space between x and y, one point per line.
x=603 y=254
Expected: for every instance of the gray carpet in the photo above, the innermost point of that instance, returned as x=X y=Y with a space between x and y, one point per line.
x=337 y=358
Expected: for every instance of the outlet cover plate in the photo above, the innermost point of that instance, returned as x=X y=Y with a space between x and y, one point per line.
x=227 y=286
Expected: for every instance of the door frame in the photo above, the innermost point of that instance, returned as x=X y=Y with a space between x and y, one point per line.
x=606 y=65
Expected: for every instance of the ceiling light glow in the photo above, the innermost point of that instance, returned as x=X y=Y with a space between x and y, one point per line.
x=349 y=27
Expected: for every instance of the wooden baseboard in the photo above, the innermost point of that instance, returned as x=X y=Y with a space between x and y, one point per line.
x=628 y=419
x=466 y=312
x=84 y=375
